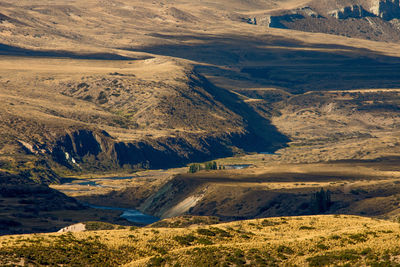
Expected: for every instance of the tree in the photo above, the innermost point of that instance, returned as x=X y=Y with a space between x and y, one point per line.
x=214 y=166
x=193 y=168
x=320 y=201
x=211 y=165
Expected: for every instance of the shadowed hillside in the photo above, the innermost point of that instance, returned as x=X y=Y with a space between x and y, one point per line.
x=279 y=62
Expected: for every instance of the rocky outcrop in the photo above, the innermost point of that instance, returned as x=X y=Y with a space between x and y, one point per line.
x=354 y=11
x=278 y=20
x=367 y=19
x=81 y=147
x=386 y=9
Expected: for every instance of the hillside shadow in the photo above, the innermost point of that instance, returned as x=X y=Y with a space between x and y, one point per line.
x=262 y=136
x=285 y=63
x=8 y=50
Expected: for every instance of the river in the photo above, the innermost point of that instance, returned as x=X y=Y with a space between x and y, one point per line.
x=130 y=215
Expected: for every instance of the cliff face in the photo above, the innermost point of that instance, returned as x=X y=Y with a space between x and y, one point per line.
x=361 y=19
x=353 y=11
x=386 y=9
x=96 y=151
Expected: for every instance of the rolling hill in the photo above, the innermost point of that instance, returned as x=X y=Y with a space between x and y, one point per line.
x=304 y=94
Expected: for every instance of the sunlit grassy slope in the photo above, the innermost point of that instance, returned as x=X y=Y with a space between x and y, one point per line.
x=301 y=241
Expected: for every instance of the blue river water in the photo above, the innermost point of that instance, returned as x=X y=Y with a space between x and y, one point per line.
x=134 y=216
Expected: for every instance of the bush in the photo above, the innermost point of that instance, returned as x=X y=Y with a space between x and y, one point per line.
x=156 y=261
x=285 y=250
x=221 y=232
x=304 y=227
x=358 y=237
x=102 y=98
x=204 y=241
x=346 y=256
x=206 y=232
x=269 y=223
x=94 y=226
x=185 y=240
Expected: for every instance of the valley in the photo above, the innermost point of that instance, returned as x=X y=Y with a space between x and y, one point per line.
x=198 y=133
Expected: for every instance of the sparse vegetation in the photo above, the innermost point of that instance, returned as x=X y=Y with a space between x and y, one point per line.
x=95 y=226
x=217 y=245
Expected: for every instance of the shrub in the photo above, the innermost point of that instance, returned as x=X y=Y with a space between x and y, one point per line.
x=102 y=98
x=269 y=223
x=334 y=237
x=237 y=258
x=206 y=232
x=322 y=246
x=94 y=226
x=204 y=241
x=358 y=237
x=156 y=261
x=285 y=250
x=345 y=256
x=185 y=240
x=304 y=227
x=221 y=232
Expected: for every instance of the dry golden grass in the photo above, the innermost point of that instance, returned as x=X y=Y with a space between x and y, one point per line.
x=303 y=241
x=34 y=84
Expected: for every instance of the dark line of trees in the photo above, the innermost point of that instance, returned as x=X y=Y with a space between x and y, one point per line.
x=212 y=165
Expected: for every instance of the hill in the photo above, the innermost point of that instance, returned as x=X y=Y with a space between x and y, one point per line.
x=194 y=86
x=305 y=241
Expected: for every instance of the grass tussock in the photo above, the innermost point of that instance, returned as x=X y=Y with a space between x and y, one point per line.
x=332 y=240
